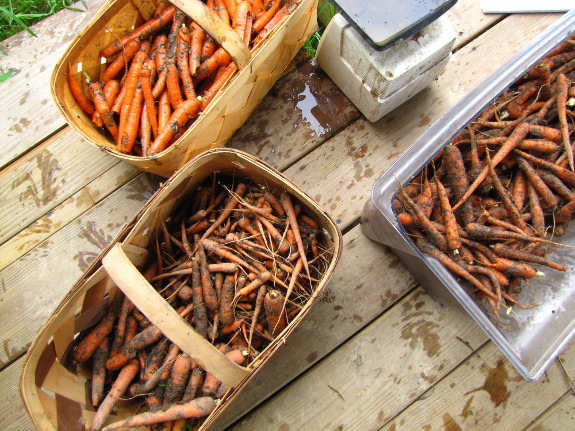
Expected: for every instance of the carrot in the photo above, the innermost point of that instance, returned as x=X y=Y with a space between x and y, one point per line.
x=544 y=192
x=90 y=342
x=196 y=42
x=260 y=279
x=127 y=374
x=130 y=132
x=182 y=61
x=434 y=235
x=512 y=141
x=211 y=382
x=231 y=6
x=120 y=62
x=561 y=97
x=154 y=360
x=208 y=47
x=78 y=94
x=259 y=303
x=274 y=20
x=208 y=66
x=506 y=198
x=146 y=82
x=564 y=214
x=275 y=314
x=131 y=85
x=178 y=380
x=240 y=17
x=556 y=184
x=186 y=111
x=160 y=54
x=146 y=337
x=196 y=408
x=282 y=246
x=538 y=145
x=226 y=309
x=164 y=111
x=564 y=174
x=209 y=292
x=513 y=268
x=257 y=7
x=449 y=221
x=103 y=108
x=142 y=32
x=218 y=84
x=99 y=371
x=200 y=319
x=222 y=11
x=193 y=384
x=546 y=132
x=293 y=224
x=519 y=190
x=516 y=254
x=428 y=248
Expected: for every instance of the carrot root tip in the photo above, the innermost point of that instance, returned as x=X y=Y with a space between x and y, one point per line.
x=540 y=274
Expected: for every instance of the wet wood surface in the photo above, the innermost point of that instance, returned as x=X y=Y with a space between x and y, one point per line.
x=376 y=352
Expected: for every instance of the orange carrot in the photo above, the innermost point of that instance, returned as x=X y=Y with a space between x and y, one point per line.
x=516 y=254
x=219 y=58
x=127 y=374
x=185 y=112
x=164 y=111
x=78 y=94
x=196 y=42
x=449 y=221
x=196 y=408
x=262 y=20
x=275 y=315
x=565 y=175
x=90 y=342
x=278 y=16
x=146 y=337
x=561 y=97
x=292 y=221
x=99 y=371
x=130 y=132
x=511 y=143
x=261 y=278
x=218 y=84
x=544 y=192
x=182 y=61
x=209 y=292
x=146 y=82
x=120 y=62
x=141 y=32
x=160 y=54
x=226 y=309
x=103 y=108
x=179 y=375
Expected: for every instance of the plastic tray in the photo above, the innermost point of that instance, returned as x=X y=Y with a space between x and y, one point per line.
x=535 y=336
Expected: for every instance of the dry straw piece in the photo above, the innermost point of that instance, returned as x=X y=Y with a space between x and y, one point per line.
x=257 y=72
x=56 y=390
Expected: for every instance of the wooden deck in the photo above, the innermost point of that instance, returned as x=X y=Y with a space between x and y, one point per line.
x=376 y=353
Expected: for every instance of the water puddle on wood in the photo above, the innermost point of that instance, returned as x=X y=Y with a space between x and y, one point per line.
x=318 y=102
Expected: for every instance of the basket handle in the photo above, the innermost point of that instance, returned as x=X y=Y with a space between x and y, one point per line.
x=160 y=313
x=217 y=28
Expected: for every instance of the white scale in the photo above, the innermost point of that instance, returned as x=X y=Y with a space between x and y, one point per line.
x=382 y=53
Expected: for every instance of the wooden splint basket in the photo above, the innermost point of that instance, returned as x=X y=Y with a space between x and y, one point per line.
x=258 y=70
x=57 y=390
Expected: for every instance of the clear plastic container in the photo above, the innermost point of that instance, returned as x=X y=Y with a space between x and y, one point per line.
x=535 y=336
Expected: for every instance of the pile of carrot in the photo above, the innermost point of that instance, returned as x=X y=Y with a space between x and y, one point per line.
x=489 y=204
x=238 y=263
x=162 y=75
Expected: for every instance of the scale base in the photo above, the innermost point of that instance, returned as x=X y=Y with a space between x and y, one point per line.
x=379 y=81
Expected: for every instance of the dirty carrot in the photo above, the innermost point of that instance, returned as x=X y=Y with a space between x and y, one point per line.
x=275 y=314
x=79 y=96
x=196 y=408
x=90 y=342
x=512 y=141
x=186 y=111
x=125 y=377
x=561 y=98
x=449 y=221
x=103 y=108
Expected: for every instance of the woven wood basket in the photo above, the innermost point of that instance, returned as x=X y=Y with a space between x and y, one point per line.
x=258 y=70
x=56 y=391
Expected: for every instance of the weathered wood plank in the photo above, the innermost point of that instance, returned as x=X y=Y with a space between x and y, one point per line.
x=47 y=177
x=28 y=113
x=12 y=411
x=558 y=415
x=485 y=392
x=58 y=217
x=34 y=284
x=376 y=374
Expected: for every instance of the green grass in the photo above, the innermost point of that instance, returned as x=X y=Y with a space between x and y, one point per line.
x=18 y=15
x=325 y=12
